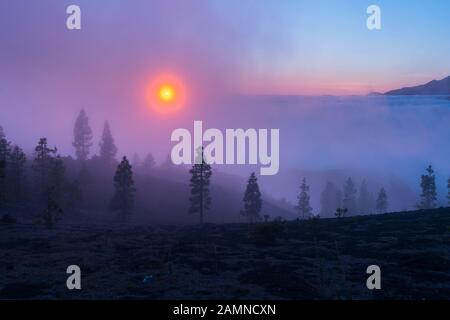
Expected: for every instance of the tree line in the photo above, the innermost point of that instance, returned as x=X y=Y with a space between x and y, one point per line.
x=54 y=193
x=346 y=202
x=333 y=201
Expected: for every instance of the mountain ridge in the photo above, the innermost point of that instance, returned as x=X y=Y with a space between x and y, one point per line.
x=434 y=87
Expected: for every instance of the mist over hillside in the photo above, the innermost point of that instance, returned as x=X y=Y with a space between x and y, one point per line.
x=385 y=141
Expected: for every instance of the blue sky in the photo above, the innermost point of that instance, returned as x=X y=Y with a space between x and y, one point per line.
x=326 y=45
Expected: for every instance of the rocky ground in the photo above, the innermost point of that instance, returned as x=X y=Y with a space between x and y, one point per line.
x=314 y=259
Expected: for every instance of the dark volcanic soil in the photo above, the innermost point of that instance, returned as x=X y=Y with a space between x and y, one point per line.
x=315 y=259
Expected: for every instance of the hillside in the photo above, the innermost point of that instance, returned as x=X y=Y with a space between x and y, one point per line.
x=162 y=197
x=316 y=259
x=435 y=87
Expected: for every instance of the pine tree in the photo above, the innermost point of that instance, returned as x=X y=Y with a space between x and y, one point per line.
x=17 y=172
x=349 y=201
x=382 y=201
x=42 y=165
x=364 y=198
x=330 y=200
x=200 y=198
x=108 y=149
x=148 y=164
x=252 y=200
x=49 y=171
x=4 y=155
x=54 y=192
x=57 y=181
x=303 y=207
x=428 y=186
x=82 y=135
x=123 y=199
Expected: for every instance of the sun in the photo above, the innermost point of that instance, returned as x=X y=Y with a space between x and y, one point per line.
x=166 y=93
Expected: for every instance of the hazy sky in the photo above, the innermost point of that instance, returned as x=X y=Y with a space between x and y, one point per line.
x=298 y=47
x=215 y=47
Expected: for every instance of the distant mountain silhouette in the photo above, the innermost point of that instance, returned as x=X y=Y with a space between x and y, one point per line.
x=435 y=87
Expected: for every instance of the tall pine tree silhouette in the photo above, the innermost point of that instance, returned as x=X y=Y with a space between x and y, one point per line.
x=303 y=207
x=123 y=199
x=42 y=164
x=54 y=193
x=428 y=186
x=200 y=199
x=252 y=200
x=108 y=149
x=82 y=136
x=382 y=201
x=49 y=171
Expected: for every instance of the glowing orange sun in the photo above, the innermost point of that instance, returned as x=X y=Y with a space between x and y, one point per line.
x=166 y=93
